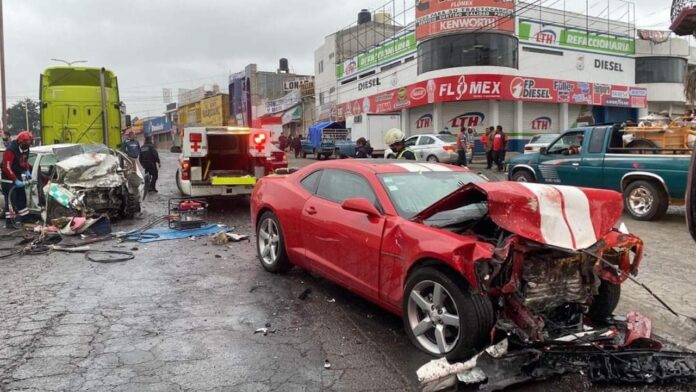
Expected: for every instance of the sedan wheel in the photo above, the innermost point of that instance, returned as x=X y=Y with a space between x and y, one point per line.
x=433 y=317
x=271 y=244
x=433 y=158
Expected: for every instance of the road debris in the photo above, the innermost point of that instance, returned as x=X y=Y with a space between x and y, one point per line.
x=222 y=238
x=331 y=300
x=621 y=354
x=265 y=331
x=327 y=364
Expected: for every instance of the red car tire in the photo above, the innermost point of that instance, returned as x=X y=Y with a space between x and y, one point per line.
x=464 y=320
x=270 y=244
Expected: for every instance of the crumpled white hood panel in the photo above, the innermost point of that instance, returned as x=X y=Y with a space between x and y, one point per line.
x=93 y=170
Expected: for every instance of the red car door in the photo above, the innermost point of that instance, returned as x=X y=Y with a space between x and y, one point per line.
x=342 y=245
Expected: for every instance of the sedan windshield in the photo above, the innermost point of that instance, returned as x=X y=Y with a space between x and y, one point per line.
x=545 y=138
x=411 y=193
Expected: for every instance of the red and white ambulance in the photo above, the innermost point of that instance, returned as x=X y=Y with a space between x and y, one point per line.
x=225 y=161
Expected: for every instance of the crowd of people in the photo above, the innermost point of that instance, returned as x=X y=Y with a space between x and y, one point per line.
x=494 y=141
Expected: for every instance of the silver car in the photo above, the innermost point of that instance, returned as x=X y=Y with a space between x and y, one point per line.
x=432 y=148
x=538 y=141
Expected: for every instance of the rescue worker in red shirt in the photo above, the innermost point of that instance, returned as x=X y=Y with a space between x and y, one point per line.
x=15 y=171
x=500 y=141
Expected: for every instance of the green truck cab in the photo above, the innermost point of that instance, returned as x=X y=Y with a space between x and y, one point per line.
x=595 y=157
x=80 y=105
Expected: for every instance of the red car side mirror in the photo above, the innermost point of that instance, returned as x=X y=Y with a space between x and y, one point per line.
x=361 y=205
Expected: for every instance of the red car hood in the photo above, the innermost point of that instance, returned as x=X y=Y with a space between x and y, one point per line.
x=561 y=216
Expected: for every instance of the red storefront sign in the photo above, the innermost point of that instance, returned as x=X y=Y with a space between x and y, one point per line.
x=500 y=87
x=434 y=17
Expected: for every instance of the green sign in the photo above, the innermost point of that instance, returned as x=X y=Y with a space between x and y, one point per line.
x=384 y=53
x=552 y=35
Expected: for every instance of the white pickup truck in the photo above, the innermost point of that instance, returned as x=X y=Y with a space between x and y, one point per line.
x=225 y=161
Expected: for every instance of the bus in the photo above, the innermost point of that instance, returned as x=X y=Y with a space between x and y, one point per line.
x=73 y=100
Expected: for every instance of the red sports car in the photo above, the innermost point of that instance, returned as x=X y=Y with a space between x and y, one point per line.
x=455 y=256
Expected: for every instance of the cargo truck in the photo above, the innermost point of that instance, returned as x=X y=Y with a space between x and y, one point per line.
x=80 y=105
x=373 y=127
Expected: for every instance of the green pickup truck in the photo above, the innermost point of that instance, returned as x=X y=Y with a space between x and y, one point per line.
x=595 y=157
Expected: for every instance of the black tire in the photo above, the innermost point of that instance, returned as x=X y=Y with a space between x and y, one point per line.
x=651 y=195
x=476 y=314
x=178 y=183
x=432 y=158
x=391 y=156
x=523 y=176
x=280 y=263
x=604 y=302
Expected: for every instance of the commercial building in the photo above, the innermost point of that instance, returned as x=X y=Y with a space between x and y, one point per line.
x=480 y=63
x=281 y=101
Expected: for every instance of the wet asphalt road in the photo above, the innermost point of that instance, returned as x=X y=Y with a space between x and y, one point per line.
x=182 y=316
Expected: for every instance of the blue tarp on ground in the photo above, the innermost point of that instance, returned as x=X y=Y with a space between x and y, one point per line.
x=316 y=130
x=164 y=233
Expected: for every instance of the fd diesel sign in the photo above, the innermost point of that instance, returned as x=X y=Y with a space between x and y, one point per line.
x=434 y=17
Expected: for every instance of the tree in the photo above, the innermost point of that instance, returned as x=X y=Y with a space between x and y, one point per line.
x=17 y=116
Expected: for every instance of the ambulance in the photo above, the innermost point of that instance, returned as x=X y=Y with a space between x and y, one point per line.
x=226 y=161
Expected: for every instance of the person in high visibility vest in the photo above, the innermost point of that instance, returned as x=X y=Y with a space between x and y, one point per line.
x=395 y=140
x=16 y=170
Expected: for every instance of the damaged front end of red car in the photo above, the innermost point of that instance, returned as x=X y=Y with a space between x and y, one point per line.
x=556 y=260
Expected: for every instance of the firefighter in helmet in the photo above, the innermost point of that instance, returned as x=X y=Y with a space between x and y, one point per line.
x=395 y=139
x=16 y=170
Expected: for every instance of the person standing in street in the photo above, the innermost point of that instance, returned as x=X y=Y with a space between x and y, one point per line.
x=500 y=140
x=16 y=170
x=462 y=146
x=395 y=139
x=362 y=149
x=297 y=145
x=471 y=141
x=487 y=142
x=131 y=146
x=150 y=160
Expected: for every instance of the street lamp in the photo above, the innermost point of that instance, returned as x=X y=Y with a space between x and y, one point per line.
x=69 y=63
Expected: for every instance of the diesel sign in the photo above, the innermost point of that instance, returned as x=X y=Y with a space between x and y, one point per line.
x=368 y=84
x=608 y=65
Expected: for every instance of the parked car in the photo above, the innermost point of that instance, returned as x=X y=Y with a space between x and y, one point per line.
x=650 y=179
x=539 y=141
x=447 y=251
x=432 y=148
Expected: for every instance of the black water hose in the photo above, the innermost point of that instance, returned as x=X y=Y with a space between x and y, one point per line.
x=108 y=256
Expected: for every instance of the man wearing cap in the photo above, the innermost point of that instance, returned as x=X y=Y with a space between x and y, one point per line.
x=131 y=146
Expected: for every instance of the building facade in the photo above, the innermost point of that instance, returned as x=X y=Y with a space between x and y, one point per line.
x=528 y=68
x=280 y=101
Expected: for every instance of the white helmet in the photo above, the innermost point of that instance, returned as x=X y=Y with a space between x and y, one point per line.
x=394 y=135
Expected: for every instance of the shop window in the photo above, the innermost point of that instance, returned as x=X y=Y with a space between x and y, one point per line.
x=321 y=66
x=542 y=51
x=660 y=69
x=390 y=66
x=467 y=50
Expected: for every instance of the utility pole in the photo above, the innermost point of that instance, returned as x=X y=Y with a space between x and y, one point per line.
x=2 y=72
x=26 y=114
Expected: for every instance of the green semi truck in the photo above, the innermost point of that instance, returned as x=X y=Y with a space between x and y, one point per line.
x=80 y=105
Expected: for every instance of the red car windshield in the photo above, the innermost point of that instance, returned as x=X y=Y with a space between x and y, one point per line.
x=411 y=193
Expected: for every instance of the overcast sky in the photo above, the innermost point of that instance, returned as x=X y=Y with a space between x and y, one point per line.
x=153 y=44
